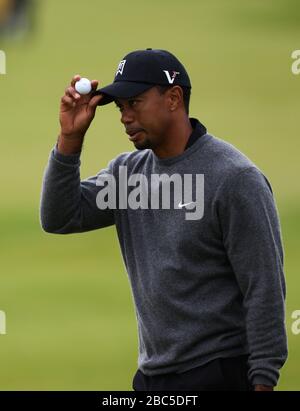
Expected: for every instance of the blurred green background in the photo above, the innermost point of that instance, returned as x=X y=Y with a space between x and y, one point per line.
x=69 y=309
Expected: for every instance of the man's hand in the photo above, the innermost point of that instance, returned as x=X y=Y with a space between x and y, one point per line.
x=76 y=114
x=261 y=387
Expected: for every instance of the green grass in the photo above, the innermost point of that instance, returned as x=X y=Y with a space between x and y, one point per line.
x=70 y=315
x=70 y=319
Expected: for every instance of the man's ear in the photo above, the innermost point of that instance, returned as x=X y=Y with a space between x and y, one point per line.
x=176 y=97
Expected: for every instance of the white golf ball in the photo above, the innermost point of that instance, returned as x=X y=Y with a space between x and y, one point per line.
x=83 y=86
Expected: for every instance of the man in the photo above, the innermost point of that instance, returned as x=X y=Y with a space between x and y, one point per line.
x=206 y=270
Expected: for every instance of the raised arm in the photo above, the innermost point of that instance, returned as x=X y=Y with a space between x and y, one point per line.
x=68 y=205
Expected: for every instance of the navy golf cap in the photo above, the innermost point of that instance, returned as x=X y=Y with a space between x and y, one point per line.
x=140 y=70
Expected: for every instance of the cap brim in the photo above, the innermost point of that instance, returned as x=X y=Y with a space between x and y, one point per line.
x=121 y=89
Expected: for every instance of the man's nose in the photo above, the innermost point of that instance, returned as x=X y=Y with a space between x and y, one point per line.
x=127 y=115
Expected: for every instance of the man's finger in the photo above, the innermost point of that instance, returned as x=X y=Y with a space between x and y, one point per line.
x=67 y=101
x=94 y=84
x=75 y=79
x=71 y=92
x=95 y=100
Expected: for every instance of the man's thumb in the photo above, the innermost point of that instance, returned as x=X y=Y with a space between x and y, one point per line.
x=95 y=101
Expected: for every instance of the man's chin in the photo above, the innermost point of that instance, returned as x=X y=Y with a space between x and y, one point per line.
x=142 y=145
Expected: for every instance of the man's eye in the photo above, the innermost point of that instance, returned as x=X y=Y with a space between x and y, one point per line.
x=131 y=103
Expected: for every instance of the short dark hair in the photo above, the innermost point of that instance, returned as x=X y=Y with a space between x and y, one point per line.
x=186 y=94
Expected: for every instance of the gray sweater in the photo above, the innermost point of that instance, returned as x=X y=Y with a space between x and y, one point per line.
x=207 y=281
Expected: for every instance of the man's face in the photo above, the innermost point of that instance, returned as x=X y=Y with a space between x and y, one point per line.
x=146 y=117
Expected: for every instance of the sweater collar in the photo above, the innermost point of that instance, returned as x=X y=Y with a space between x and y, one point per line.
x=198 y=130
x=197 y=138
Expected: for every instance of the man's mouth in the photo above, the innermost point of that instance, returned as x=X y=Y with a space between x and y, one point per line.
x=134 y=133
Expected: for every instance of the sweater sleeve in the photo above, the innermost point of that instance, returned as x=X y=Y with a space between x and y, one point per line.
x=68 y=204
x=252 y=238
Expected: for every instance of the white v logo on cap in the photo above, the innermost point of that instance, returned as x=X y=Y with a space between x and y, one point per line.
x=171 y=80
